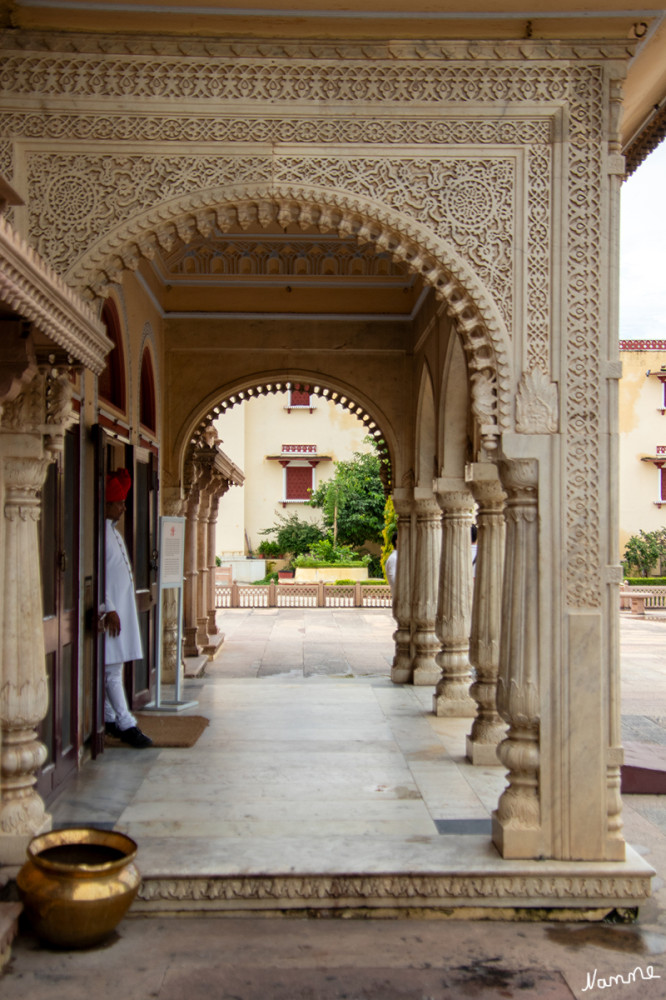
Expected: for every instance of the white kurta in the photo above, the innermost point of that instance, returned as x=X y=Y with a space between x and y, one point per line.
x=391 y=568
x=120 y=597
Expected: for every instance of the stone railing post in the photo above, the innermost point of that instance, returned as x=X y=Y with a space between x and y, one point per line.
x=424 y=587
x=517 y=820
x=484 y=642
x=454 y=606
x=401 y=668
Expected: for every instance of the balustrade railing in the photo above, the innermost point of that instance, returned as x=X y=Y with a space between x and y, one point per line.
x=639 y=600
x=302 y=595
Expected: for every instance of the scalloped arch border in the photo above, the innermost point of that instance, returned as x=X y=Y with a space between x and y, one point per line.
x=270 y=383
x=470 y=306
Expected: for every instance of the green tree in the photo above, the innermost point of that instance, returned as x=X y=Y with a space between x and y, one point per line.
x=642 y=551
x=390 y=528
x=294 y=535
x=352 y=501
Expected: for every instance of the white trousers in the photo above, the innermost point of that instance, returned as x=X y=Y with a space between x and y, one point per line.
x=115 y=700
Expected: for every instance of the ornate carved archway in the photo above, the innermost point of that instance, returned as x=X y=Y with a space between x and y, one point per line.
x=470 y=305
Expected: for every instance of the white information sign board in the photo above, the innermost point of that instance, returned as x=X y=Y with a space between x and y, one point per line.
x=170 y=569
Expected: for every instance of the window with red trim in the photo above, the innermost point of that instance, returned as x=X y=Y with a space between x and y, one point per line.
x=299 y=482
x=111 y=383
x=662 y=484
x=299 y=397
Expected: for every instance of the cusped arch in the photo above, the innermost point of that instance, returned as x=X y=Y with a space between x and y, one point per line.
x=244 y=206
x=194 y=432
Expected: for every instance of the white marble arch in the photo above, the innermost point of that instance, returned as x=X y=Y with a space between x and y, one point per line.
x=547 y=812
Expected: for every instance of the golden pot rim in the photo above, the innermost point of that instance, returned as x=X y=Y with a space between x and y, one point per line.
x=82 y=835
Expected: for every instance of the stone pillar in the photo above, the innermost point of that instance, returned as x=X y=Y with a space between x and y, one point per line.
x=428 y=545
x=24 y=693
x=31 y=433
x=202 y=570
x=517 y=820
x=454 y=606
x=401 y=668
x=484 y=642
x=212 y=628
x=191 y=574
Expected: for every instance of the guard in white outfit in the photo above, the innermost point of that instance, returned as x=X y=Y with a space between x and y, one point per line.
x=120 y=620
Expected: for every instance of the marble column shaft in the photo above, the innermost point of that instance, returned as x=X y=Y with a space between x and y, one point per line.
x=202 y=570
x=517 y=820
x=402 y=668
x=454 y=606
x=212 y=562
x=191 y=573
x=428 y=547
x=488 y=728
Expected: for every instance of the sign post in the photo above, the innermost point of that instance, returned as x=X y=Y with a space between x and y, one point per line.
x=170 y=569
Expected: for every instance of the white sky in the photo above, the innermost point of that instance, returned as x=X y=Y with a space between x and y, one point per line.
x=643 y=251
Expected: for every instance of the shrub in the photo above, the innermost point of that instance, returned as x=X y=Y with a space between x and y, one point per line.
x=292 y=534
x=267 y=548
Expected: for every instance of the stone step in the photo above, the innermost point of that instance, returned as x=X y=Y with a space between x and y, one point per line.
x=644 y=769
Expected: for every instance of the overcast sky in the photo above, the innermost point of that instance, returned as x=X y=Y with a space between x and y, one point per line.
x=643 y=251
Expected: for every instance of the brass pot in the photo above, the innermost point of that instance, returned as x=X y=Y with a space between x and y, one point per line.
x=77 y=884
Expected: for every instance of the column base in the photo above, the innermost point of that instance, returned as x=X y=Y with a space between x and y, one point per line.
x=190 y=647
x=401 y=675
x=482 y=754
x=453 y=708
x=516 y=843
x=202 y=631
x=428 y=675
x=13 y=846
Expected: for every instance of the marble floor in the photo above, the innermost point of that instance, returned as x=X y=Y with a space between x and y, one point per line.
x=313 y=762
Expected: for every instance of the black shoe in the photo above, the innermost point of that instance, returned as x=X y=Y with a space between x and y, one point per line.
x=135 y=738
x=111 y=729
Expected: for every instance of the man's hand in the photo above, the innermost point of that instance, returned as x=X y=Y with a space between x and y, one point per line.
x=112 y=622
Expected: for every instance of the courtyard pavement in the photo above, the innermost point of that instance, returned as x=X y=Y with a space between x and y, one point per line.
x=383 y=777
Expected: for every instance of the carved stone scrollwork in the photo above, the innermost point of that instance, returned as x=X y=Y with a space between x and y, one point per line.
x=517 y=820
x=424 y=598
x=454 y=606
x=536 y=404
x=401 y=668
x=484 y=644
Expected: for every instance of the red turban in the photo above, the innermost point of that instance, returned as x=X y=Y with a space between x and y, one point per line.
x=118 y=485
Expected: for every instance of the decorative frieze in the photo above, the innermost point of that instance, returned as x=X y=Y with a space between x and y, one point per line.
x=525 y=888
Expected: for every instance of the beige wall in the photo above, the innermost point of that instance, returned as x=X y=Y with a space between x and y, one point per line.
x=642 y=430
x=260 y=427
